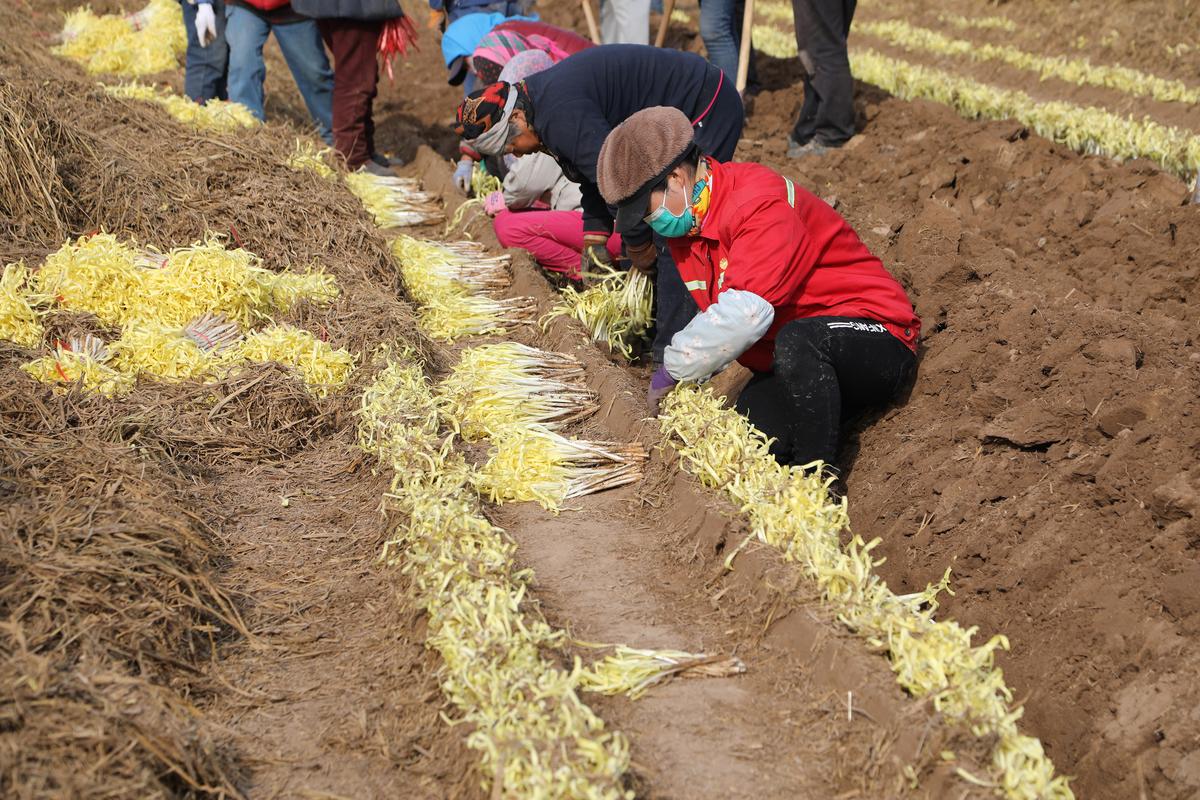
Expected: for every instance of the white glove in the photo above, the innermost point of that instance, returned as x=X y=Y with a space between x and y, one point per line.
x=462 y=175
x=718 y=335
x=206 y=24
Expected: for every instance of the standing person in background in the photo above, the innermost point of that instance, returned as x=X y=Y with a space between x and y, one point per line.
x=721 y=30
x=351 y=30
x=248 y=23
x=539 y=209
x=827 y=115
x=206 y=74
x=625 y=22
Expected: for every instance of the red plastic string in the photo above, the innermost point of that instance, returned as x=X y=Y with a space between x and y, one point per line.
x=394 y=40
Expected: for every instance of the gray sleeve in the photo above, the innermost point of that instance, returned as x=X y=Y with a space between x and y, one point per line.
x=531 y=177
x=718 y=335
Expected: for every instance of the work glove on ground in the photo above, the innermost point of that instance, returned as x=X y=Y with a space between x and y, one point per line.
x=643 y=257
x=494 y=203
x=206 y=24
x=661 y=384
x=462 y=175
x=595 y=256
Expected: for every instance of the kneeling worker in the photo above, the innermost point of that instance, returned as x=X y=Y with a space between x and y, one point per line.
x=784 y=286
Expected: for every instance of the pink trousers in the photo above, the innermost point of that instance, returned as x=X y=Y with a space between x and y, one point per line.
x=553 y=238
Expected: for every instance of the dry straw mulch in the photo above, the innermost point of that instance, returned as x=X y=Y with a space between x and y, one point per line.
x=110 y=612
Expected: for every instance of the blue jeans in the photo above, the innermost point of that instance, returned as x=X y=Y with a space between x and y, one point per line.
x=246 y=33
x=207 y=70
x=509 y=8
x=721 y=30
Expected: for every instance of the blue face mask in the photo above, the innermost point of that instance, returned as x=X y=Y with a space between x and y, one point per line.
x=669 y=225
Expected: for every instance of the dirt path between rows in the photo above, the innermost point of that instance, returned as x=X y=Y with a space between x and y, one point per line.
x=336 y=697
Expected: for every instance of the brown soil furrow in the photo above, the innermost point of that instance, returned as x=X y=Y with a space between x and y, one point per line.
x=1141 y=34
x=994 y=73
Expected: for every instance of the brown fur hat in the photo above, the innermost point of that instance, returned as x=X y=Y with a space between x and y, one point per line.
x=637 y=155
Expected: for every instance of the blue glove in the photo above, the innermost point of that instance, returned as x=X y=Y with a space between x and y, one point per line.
x=661 y=385
x=462 y=175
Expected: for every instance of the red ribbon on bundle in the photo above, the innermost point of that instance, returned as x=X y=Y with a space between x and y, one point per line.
x=398 y=33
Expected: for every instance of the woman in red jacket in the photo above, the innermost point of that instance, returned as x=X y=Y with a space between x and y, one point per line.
x=784 y=286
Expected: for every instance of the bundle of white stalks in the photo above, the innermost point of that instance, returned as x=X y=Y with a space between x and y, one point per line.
x=497 y=385
x=450 y=318
x=633 y=672
x=82 y=360
x=617 y=310
x=394 y=201
x=433 y=269
x=532 y=462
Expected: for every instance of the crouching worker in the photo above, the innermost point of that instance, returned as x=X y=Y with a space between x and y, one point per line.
x=540 y=209
x=784 y=286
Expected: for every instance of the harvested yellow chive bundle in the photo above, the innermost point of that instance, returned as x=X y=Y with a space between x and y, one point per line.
x=323 y=367
x=394 y=201
x=616 y=311
x=434 y=270
x=633 y=672
x=84 y=363
x=451 y=283
x=309 y=156
x=497 y=385
x=790 y=509
x=1088 y=130
x=149 y=41
x=534 y=736
x=1079 y=71
x=483 y=182
x=215 y=115
x=19 y=321
x=95 y=274
x=531 y=462
x=455 y=317
x=161 y=351
x=102 y=275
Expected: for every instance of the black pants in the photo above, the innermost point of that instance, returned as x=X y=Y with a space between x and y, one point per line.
x=828 y=111
x=826 y=368
x=716 y=135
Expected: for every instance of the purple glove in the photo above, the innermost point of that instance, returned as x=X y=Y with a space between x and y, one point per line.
x=661 y=385
x=494 y=203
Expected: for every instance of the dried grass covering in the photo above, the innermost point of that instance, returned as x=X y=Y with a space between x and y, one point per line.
x=262 y=412
x=109 y=613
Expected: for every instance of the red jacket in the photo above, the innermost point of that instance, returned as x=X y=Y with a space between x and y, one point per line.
x=805 y=261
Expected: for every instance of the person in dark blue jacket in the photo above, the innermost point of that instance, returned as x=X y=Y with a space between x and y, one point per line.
x=569 y=109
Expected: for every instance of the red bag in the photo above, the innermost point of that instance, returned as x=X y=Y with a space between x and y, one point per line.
x=266 y=5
